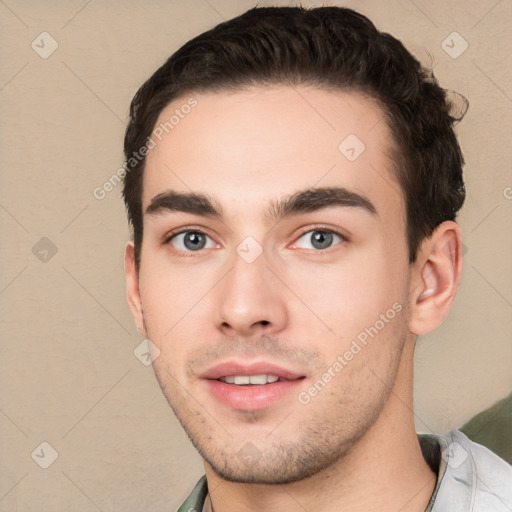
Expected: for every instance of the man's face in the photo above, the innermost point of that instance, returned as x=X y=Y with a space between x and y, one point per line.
x=260 y=278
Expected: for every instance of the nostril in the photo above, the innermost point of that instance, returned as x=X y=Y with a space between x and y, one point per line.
x=264 y=322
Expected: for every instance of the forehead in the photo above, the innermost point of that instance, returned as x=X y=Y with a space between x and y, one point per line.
x=251 y=146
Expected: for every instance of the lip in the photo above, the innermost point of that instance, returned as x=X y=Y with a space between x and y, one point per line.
x=256 y=368
x=250 y=398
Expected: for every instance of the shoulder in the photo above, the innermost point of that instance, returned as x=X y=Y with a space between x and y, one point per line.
x=474 y=479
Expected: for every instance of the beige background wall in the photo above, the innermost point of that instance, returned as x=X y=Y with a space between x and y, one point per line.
x=68 y=373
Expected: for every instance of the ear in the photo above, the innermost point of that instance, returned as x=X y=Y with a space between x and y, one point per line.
x=436 y=277
x=132 y=288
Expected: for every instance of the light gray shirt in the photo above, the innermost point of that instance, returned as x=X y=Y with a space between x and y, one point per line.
x=471 y=478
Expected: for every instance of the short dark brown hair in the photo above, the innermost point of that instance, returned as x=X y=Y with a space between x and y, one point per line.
x=332 y=48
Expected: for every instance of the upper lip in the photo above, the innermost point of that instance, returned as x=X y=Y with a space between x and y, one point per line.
x=229 y=368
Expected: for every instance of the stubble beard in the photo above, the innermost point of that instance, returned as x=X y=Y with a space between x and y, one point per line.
x=323 y=439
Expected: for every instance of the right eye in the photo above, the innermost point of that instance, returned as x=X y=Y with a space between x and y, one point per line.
x=191 y=241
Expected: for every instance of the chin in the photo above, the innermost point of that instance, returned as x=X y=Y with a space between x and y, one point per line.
x=277 y=465
x=262 y=476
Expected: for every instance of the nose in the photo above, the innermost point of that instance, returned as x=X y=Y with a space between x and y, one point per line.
x=250 y=300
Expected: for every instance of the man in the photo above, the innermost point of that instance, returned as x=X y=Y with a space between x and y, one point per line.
x=292 y=181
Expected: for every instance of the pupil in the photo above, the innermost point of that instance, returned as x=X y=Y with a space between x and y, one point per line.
x=321 y=239
x=194 y=241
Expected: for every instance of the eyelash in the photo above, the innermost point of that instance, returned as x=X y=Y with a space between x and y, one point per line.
x=310 y=229
x=186 y=229
x=323 y=229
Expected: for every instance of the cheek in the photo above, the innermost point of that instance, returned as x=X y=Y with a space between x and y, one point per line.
x=168 y=306
x=347 y=297
x=169 y=295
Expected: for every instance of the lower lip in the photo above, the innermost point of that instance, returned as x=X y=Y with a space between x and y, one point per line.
x=251 y=398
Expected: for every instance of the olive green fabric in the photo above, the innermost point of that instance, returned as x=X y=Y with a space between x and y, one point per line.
x=493 y=428
x=195 y=501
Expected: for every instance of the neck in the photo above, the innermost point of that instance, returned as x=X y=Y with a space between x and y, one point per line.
x=384 y=471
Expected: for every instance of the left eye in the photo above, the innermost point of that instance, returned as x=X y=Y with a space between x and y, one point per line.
x=191 y=241
x=318 y=239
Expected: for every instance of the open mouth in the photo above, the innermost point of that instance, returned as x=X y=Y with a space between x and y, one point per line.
x=251 y=386
x=251 y=380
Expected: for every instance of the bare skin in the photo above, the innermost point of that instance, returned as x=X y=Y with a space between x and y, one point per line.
x=298 y=305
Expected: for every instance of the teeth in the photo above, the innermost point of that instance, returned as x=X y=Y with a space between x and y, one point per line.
x=243 y=380
x=256 y=379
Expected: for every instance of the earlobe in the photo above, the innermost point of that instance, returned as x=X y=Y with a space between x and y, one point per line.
x=132 y=288
x=438 y=271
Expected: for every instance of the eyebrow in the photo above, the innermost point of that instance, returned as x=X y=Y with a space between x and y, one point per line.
x=171 y=201
x=311 y=200
x=304 y=201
